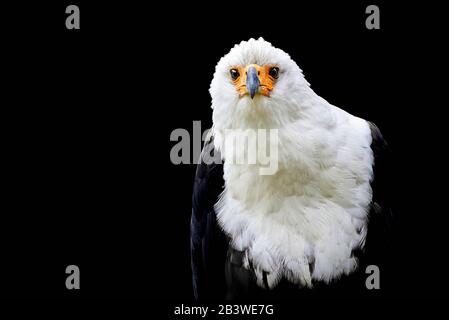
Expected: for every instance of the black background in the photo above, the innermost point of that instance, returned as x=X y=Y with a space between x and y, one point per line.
x=88 y=115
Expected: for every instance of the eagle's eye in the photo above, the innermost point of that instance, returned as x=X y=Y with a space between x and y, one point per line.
x=274 y=72
x=234 y=74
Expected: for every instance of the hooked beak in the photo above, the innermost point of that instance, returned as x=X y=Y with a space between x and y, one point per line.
x=252 y=81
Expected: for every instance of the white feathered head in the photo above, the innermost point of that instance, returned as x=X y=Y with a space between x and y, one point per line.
x=257 y=86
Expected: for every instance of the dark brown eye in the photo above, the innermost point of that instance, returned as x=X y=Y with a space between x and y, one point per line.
x=234 y=74
x=274 y=72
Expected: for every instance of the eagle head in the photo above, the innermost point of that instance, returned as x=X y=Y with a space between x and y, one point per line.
x=257 y=86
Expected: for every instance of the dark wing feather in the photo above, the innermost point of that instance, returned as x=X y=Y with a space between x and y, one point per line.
x=381 y=222
x=207 y=241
